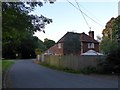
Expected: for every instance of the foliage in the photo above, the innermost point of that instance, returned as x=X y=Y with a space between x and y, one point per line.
x=48 y=43
x=72 y=44
x=18 y=27
x=60 y=68
x=114 y=60
x=6 y=64
x=116 y=28
x=113 y=57
x=88 y=70
x=38 y=51
x=111 y=47
x=16 y=15
x=41 y=46
x=107 y=45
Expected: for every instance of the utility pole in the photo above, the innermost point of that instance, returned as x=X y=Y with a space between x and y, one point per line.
x=118 y=8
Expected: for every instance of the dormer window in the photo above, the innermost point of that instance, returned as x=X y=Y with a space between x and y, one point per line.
x=59 y=45
x=90 y=45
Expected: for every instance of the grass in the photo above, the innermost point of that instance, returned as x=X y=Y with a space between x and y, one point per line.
x=87 y=70
x=6 y=64
x=61 y=69
x=0 y=67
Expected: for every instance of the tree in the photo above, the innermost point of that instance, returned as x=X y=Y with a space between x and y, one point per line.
x=18 y=27
x=38 y=51
x=48 y=43
x=107 y=45
x=41 y=45
x=72 y=44
x=116 y=28
x=111 y=47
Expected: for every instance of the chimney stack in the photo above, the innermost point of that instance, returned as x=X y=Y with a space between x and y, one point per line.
x=91 y=34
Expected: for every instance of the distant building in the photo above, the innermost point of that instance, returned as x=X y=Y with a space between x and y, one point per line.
x=87 y=43
x=119 y=8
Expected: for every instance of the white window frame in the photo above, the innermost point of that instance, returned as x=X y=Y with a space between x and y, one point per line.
x=91 y=45
x=59 y=45
x=88 y=45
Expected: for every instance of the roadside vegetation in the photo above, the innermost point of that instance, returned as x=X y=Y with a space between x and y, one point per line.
x=87 y=70
x=18 y=37
x=6 y=64
x=110 y=45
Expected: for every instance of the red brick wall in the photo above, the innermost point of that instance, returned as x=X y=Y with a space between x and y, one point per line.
x=59 y=51
x=56 y=50
x=85 y=47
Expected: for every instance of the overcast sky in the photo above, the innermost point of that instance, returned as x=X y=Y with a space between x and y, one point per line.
x=67 y=18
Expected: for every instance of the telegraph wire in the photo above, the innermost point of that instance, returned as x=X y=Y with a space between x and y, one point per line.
x=84 y=13
x=95 y=18
x=80 y=11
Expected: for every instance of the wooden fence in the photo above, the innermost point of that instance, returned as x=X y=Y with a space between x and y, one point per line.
x=73 y=62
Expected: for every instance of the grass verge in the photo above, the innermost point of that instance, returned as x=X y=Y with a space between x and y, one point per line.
x=6 y=64
x=87 y=70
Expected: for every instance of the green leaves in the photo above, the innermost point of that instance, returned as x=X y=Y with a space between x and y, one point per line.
x=106 y=45
x=18 y=28
x=111 y=47
x=116 y=29
x=48 y=43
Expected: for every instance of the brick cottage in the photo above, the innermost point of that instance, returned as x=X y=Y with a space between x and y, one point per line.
x=87 y=43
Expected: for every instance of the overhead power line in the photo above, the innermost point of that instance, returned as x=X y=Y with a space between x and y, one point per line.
x=83 y=13
x=89 y=13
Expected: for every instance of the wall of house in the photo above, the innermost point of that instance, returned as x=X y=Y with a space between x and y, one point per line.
x=97 y=47
x=60 y=50
x=85 y=47
x=56 y=50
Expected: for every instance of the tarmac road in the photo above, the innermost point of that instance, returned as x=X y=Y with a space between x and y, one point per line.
x=27 y=74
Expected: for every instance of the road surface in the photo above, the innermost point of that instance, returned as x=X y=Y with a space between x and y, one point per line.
x=27 y=74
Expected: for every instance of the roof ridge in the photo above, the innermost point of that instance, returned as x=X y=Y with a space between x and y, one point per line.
x=85 y=37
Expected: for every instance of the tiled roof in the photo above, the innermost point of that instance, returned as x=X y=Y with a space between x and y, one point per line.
x=54 y=50
x=86 y=38
x=83 y=37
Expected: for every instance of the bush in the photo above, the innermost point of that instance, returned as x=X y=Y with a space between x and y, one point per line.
x=88 y=70
x=112 y=62
x=70 y=70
